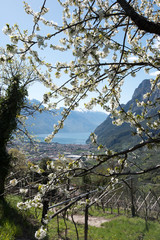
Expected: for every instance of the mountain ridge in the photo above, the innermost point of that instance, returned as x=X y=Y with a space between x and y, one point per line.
x=120 y=137
x=77 y=121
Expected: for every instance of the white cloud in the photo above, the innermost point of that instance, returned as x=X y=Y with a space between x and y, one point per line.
x=154 y=73
x=157 y=43
x=133 y=58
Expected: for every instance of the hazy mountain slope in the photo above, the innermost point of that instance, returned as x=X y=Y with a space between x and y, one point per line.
x=120 y=137
x=77 y=121
x=83 y=121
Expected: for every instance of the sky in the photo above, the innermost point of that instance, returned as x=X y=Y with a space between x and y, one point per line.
x=12 y=12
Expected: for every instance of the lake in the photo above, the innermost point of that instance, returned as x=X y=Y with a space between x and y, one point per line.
x=67 y=138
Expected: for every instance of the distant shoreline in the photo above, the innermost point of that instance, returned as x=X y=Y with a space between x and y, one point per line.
x=66 y=138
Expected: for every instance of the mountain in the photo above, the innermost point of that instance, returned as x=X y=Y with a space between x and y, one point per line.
x=121 y=137
x=77 y=121
x=83 y=121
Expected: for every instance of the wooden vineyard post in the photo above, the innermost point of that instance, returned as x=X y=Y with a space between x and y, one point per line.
x=86 y=219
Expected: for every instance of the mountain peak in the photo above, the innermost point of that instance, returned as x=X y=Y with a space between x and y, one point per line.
x=121 y=137
x=143 y=88
x=34 y=101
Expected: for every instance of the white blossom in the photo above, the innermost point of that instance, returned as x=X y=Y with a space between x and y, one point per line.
x=7 y=30
x=23 y=191
x=41 y=233
x=13 y=182
x=93 y=138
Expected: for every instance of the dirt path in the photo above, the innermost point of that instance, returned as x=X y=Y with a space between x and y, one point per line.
x=92 y=221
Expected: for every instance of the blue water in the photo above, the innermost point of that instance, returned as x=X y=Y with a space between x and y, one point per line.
x=67 y=138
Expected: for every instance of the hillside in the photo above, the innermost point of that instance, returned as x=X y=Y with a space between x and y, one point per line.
x=120 y=137
x=77 y=121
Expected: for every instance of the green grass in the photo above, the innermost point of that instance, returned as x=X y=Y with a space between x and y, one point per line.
x=98 y=212
x=131 y=229
x=13 y=223
x=120 y=228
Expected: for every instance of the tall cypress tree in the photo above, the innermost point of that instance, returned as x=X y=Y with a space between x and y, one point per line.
x=10 y=107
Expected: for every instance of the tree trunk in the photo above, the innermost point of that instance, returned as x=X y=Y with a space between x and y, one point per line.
x=86 y=221
x=133 y=210
x=142 y=22
x=45 y=209
x=10 y=106
x=4 y=168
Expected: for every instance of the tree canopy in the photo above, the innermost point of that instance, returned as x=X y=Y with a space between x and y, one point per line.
x=108 y=42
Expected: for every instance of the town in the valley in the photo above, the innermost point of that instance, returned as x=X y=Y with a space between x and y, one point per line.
x=53 y=151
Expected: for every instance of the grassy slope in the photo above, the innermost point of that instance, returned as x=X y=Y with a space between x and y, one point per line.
x=120 y=228
x=15 y=226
